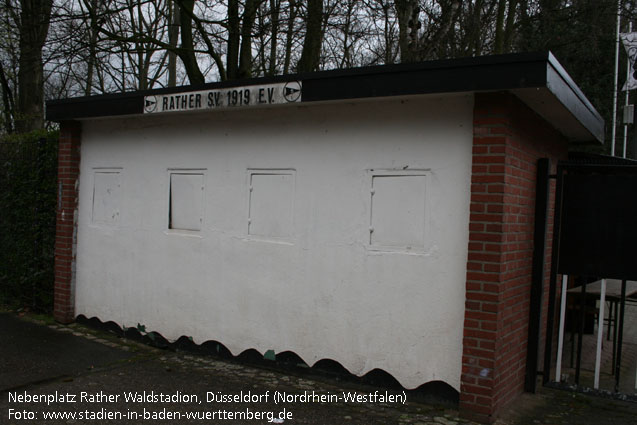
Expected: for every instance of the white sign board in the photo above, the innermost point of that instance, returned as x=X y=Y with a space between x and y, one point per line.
x=269 y=94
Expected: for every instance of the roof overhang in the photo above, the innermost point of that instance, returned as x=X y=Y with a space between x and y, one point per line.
x=536 y=78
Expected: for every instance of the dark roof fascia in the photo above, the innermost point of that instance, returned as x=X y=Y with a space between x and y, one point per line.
x=569 y=94
x=440 y=76
x=486 y=73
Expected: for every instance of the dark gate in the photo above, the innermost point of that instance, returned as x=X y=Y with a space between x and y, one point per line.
x=593 y=306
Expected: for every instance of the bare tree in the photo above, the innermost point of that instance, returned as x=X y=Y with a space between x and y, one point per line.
x=292 y=12
x=504 y=26
x=382 y=39
x=409 y=24
x=100 y=46
x=173 y=36
x=9 y=46
x=275 y=12
x=186 y=51
x=7 y=101
x=311 y=53
x=34 y=27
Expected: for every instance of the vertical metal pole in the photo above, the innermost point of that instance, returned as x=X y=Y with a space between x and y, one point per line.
x=580 y=338
x=550 y=314
x=614 y=129
x=610 y=320
x=560 y=338
x=634 y=134
x=616 y=321
x=537 y=272
x=618 y=363
x=572 y=358
x=600 y=332
x=35 y=159
x=630 y=29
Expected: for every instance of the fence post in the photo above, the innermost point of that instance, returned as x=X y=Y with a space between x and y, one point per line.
x=537 y=273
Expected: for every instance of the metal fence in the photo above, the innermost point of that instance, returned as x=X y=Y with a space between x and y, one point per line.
x=596 y=297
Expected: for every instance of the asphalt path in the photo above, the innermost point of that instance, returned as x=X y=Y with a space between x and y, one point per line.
x=32 y=353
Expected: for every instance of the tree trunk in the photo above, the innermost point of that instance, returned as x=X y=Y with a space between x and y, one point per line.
x=311 y=54
x=475 y=42
x=346 y=61
x=173 y=36
x=434 y=44
x=498 y=45
x=407 y=12
x=186 y=51
x=92 y=51
x=234 y=38
x=7 y=101
x=524 y=28
x=275 y=8
x=547 y=29
x=142 y=71
x=34 y=27
x=290 y=37
x=245 y=55
x=509 y=28
x=388 y=34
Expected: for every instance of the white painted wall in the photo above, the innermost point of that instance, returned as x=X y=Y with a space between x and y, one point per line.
x=321 y=292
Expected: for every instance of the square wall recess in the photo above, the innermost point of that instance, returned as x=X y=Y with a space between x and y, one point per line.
x=186 y=200
x=106 y=197
x=271 y=203
x=398 y=205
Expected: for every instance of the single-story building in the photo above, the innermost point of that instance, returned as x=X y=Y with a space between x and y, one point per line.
x=380 y=217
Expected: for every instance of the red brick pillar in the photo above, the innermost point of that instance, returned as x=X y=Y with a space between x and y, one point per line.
x=508 y=139
x=66 y=225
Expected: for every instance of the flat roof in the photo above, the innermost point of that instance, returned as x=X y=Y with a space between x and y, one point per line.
x=537 y=79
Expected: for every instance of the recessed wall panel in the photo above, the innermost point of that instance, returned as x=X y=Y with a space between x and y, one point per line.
x=106 y=197
x=271 y=204
x=186 y=201
x=398 y=211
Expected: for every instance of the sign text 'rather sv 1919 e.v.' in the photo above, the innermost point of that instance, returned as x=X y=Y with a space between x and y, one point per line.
x=269 y=94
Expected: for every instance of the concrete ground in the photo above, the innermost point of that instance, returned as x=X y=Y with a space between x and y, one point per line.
x=80 y=375
x=560 y=407
x=628 y=371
